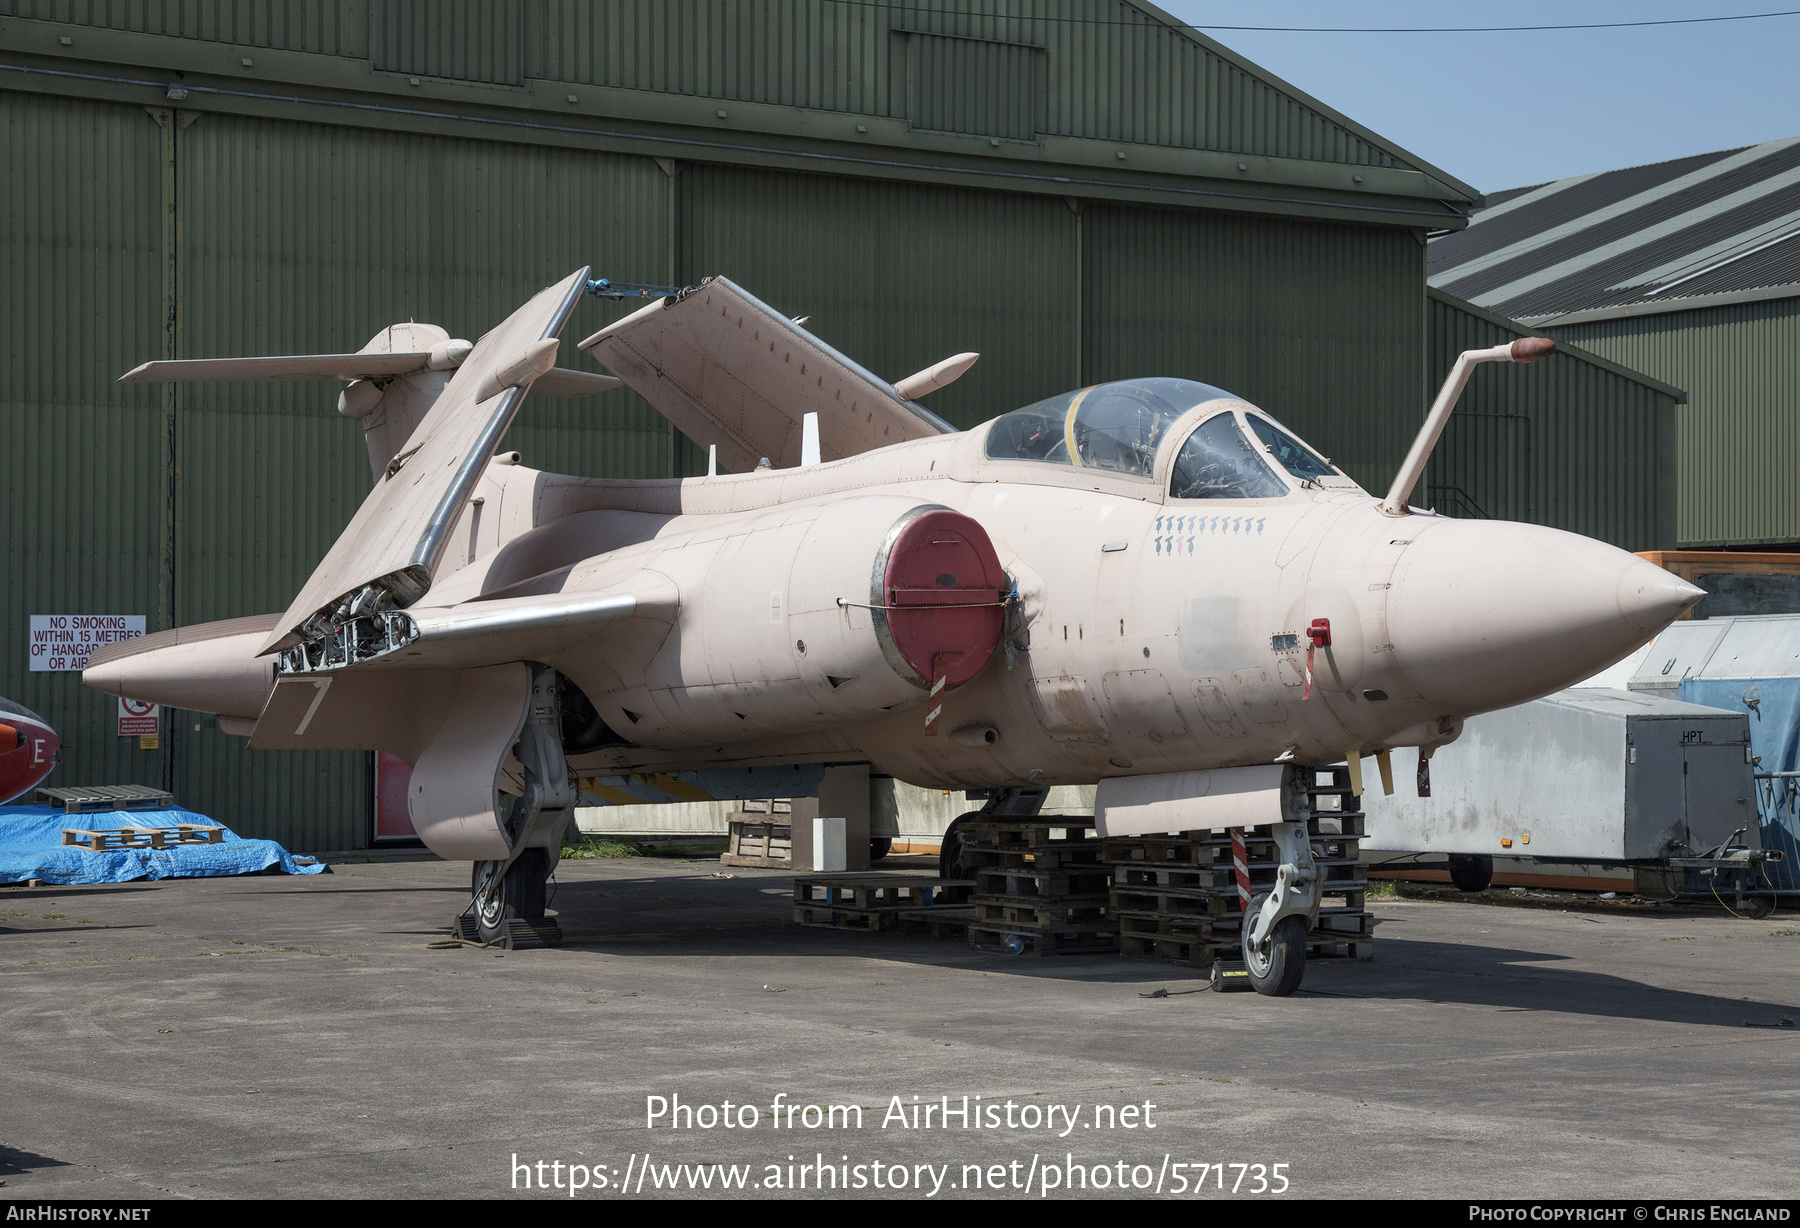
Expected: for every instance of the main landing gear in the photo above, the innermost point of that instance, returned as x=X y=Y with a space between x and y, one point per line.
x=508 y=898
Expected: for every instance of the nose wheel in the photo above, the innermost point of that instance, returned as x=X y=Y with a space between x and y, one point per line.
x=1277 y=963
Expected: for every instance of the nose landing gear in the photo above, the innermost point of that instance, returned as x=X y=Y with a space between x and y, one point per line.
x=1277 y=922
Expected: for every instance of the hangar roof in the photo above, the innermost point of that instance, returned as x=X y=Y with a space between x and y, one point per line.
x=1104 y=99
x=1671 y=236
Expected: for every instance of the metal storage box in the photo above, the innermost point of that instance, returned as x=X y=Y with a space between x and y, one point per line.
x=1588 y=775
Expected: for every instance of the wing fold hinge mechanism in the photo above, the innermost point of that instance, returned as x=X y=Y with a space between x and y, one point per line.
x=359 y=627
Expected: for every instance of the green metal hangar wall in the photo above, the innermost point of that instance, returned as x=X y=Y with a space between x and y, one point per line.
x=1076 y=189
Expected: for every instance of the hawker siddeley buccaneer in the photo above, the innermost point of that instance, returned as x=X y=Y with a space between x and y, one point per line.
x=1149 y=584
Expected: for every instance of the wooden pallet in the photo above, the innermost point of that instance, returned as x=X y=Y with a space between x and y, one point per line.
x=142 y=837
x=947 y=921
x=1202 y=851
x=1198 y=950
x=1163 y=925
x=91 y=799
x=1086 y=855
x=1057 y=834
x=866 y=892
x=1054 y=941
x=1041 y=914
x=1172 y=901
x=867 y=920
x=1170 y=949
x=1043 y=884
x=761 y=845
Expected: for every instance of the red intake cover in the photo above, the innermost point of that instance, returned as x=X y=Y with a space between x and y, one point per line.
x=29 y=749
x=943 y=585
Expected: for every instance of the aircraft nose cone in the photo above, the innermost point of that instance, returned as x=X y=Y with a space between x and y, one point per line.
x=1486 y=614
x=1651 y=598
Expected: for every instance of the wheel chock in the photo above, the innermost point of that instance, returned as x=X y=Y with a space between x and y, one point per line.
x=1235 y=979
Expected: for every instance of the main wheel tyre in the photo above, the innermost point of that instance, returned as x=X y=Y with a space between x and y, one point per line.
x=950 y=850
x=505 y=891
x=1276 y=966
x=1471 y=871
x=880 y=846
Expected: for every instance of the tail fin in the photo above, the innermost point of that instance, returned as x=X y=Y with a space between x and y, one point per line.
x=388 y=555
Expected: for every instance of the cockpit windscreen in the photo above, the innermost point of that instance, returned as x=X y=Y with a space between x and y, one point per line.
x=1294 y=456
x=1117 y=426
x=1217 y=462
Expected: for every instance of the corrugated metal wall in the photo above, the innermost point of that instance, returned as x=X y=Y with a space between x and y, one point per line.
x=1320 y=324
x=294 y=238
x=1564 y=442
x=81 y=475
x=899 y=276
x=1739 y=446
x=331 y=27
x=469 y=40
x=976 y=86
x=1112 y=71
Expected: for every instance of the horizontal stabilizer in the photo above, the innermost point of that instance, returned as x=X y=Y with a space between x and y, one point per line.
x=291 y=367
x=558 y=382
x=726 y=368
x=562 y=382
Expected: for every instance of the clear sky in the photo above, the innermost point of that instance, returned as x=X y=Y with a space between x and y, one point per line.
x=1505 y=110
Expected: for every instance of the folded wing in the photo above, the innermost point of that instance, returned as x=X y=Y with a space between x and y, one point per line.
x=726 y=368
x=388 y=555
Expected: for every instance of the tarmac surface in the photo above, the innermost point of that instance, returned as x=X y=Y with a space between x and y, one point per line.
x=296 y=1037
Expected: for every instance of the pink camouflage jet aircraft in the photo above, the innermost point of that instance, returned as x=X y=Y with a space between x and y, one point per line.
x=1150 y=584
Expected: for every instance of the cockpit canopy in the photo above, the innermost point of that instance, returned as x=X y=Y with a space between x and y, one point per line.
x=1122 y=426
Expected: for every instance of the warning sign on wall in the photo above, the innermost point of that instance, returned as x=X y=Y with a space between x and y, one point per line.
x=138 y=719
x=66 y=641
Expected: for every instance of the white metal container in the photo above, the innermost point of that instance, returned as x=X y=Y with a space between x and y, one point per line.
x=1589 y=775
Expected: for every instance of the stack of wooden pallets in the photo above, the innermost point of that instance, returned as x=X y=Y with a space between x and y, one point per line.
x=875 y=902
x=1040 y=886
x=1175 y=898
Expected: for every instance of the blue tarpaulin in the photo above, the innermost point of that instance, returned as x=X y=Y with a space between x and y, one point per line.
x=1773 y=705
x=31 y=846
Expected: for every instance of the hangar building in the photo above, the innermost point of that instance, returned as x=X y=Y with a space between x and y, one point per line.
x=1080 y=190
x=1687 y=271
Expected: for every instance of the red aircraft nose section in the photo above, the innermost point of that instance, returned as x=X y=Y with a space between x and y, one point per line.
x=942 y=587
x=29 y=750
